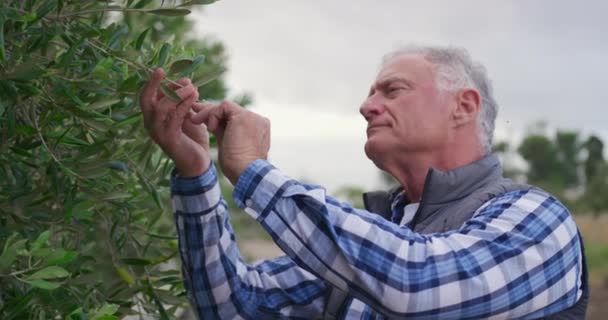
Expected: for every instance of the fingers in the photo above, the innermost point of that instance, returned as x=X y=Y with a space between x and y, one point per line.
x=148 y=93
x=166 y=111
x=176 y=117
x=180 y=83
x=213 y=116
x=196 y=132
x=199 y=106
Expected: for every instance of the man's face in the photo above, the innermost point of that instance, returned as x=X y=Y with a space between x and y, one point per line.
x=405 y=111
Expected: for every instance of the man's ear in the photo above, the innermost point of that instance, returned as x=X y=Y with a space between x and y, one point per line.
x=468 y=104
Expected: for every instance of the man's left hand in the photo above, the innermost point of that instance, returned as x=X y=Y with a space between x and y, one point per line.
x=243 y=136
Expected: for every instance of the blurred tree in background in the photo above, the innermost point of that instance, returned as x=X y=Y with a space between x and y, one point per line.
x=85 y=232
x=572 y=168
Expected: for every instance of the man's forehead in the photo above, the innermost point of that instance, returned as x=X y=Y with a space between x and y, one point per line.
x=404 y=66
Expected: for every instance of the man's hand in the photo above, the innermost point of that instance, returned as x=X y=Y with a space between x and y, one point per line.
x=168 y=125
x=243 y=136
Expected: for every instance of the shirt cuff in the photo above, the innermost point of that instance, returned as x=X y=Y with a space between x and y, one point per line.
x=259 y=187
x=193 y=185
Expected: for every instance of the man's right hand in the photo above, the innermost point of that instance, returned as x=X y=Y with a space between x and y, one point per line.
x=168 y=125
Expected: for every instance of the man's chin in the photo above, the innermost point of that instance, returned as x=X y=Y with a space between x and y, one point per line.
x=374 y=150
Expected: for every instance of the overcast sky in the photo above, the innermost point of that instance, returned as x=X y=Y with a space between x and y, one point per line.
x=309 y=64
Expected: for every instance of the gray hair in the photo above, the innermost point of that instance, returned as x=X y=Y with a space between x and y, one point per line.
x=454 y=69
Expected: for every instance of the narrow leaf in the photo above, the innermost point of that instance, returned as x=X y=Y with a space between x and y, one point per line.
x=179 y=66
x=195 y=64
x=160 y=236
x=10 y=254
x=163 y=54
x=60 y=257
x=116 y=196
x=25 y=72
x=2 y=50
x=140 y=40
x=170 y=12
x=125 y=275
x=46 y=285
x=170 y=93
x=51 y=272
x=42 y=239
x=99 y=104
x=141 y=4
x=136 y=261
x=105 y=312
x=195 y=2
x=129 y=120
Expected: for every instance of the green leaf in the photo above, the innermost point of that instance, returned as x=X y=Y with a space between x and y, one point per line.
x=59 y=6
x=93 y=171
x=180 y=65
x=141 y=4
x=59 y=257
x=119 y=166
x=103 y=66
x=125 y=275
x=21 y=152
x=13 y=308
x=160 y=236
x=116 y=196
x=131 y=84
x=170 y=12
x=129 y=120
x=152 y=294
x=46 y=285
x=195 y=2
x=136 y=261
x=195 y=64
x=163 y=54
x=98 y=125
x=2 y=50
x=105 y=311
x=140 y=39
x=118 y=33
x=25 y=72
x=81 y=210
x=151 y=189
x=51 y=272
x=100 y=104
x=10 y=254
x=41 y=241
x=170 y=93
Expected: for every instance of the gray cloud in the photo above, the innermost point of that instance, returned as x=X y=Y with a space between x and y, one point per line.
x=547 y=58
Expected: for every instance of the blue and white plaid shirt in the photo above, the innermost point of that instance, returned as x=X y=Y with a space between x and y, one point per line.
x=519 y=256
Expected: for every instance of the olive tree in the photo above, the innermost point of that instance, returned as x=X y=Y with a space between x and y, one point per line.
x=85 y=231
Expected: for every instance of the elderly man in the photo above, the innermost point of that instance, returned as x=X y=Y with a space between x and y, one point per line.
x=455 y=241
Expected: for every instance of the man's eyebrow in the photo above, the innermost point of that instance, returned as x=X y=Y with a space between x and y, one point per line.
x=385 y=82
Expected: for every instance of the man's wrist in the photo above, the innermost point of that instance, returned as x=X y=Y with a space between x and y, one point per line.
x=235 y=173
x=192 y=169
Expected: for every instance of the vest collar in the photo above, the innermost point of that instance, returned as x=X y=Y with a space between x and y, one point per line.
x=446 y=186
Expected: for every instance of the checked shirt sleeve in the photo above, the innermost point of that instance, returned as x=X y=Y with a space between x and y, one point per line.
x=518 y=257
x=219 y=283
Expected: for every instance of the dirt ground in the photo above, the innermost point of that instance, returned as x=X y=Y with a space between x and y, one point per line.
x=598 y=307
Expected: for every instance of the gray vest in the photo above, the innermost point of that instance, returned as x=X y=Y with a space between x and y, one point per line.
x=449 y=199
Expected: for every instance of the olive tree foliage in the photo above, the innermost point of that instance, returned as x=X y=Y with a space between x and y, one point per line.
x=85 y=227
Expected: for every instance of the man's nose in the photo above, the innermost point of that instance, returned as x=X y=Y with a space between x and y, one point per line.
x=371 y=107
